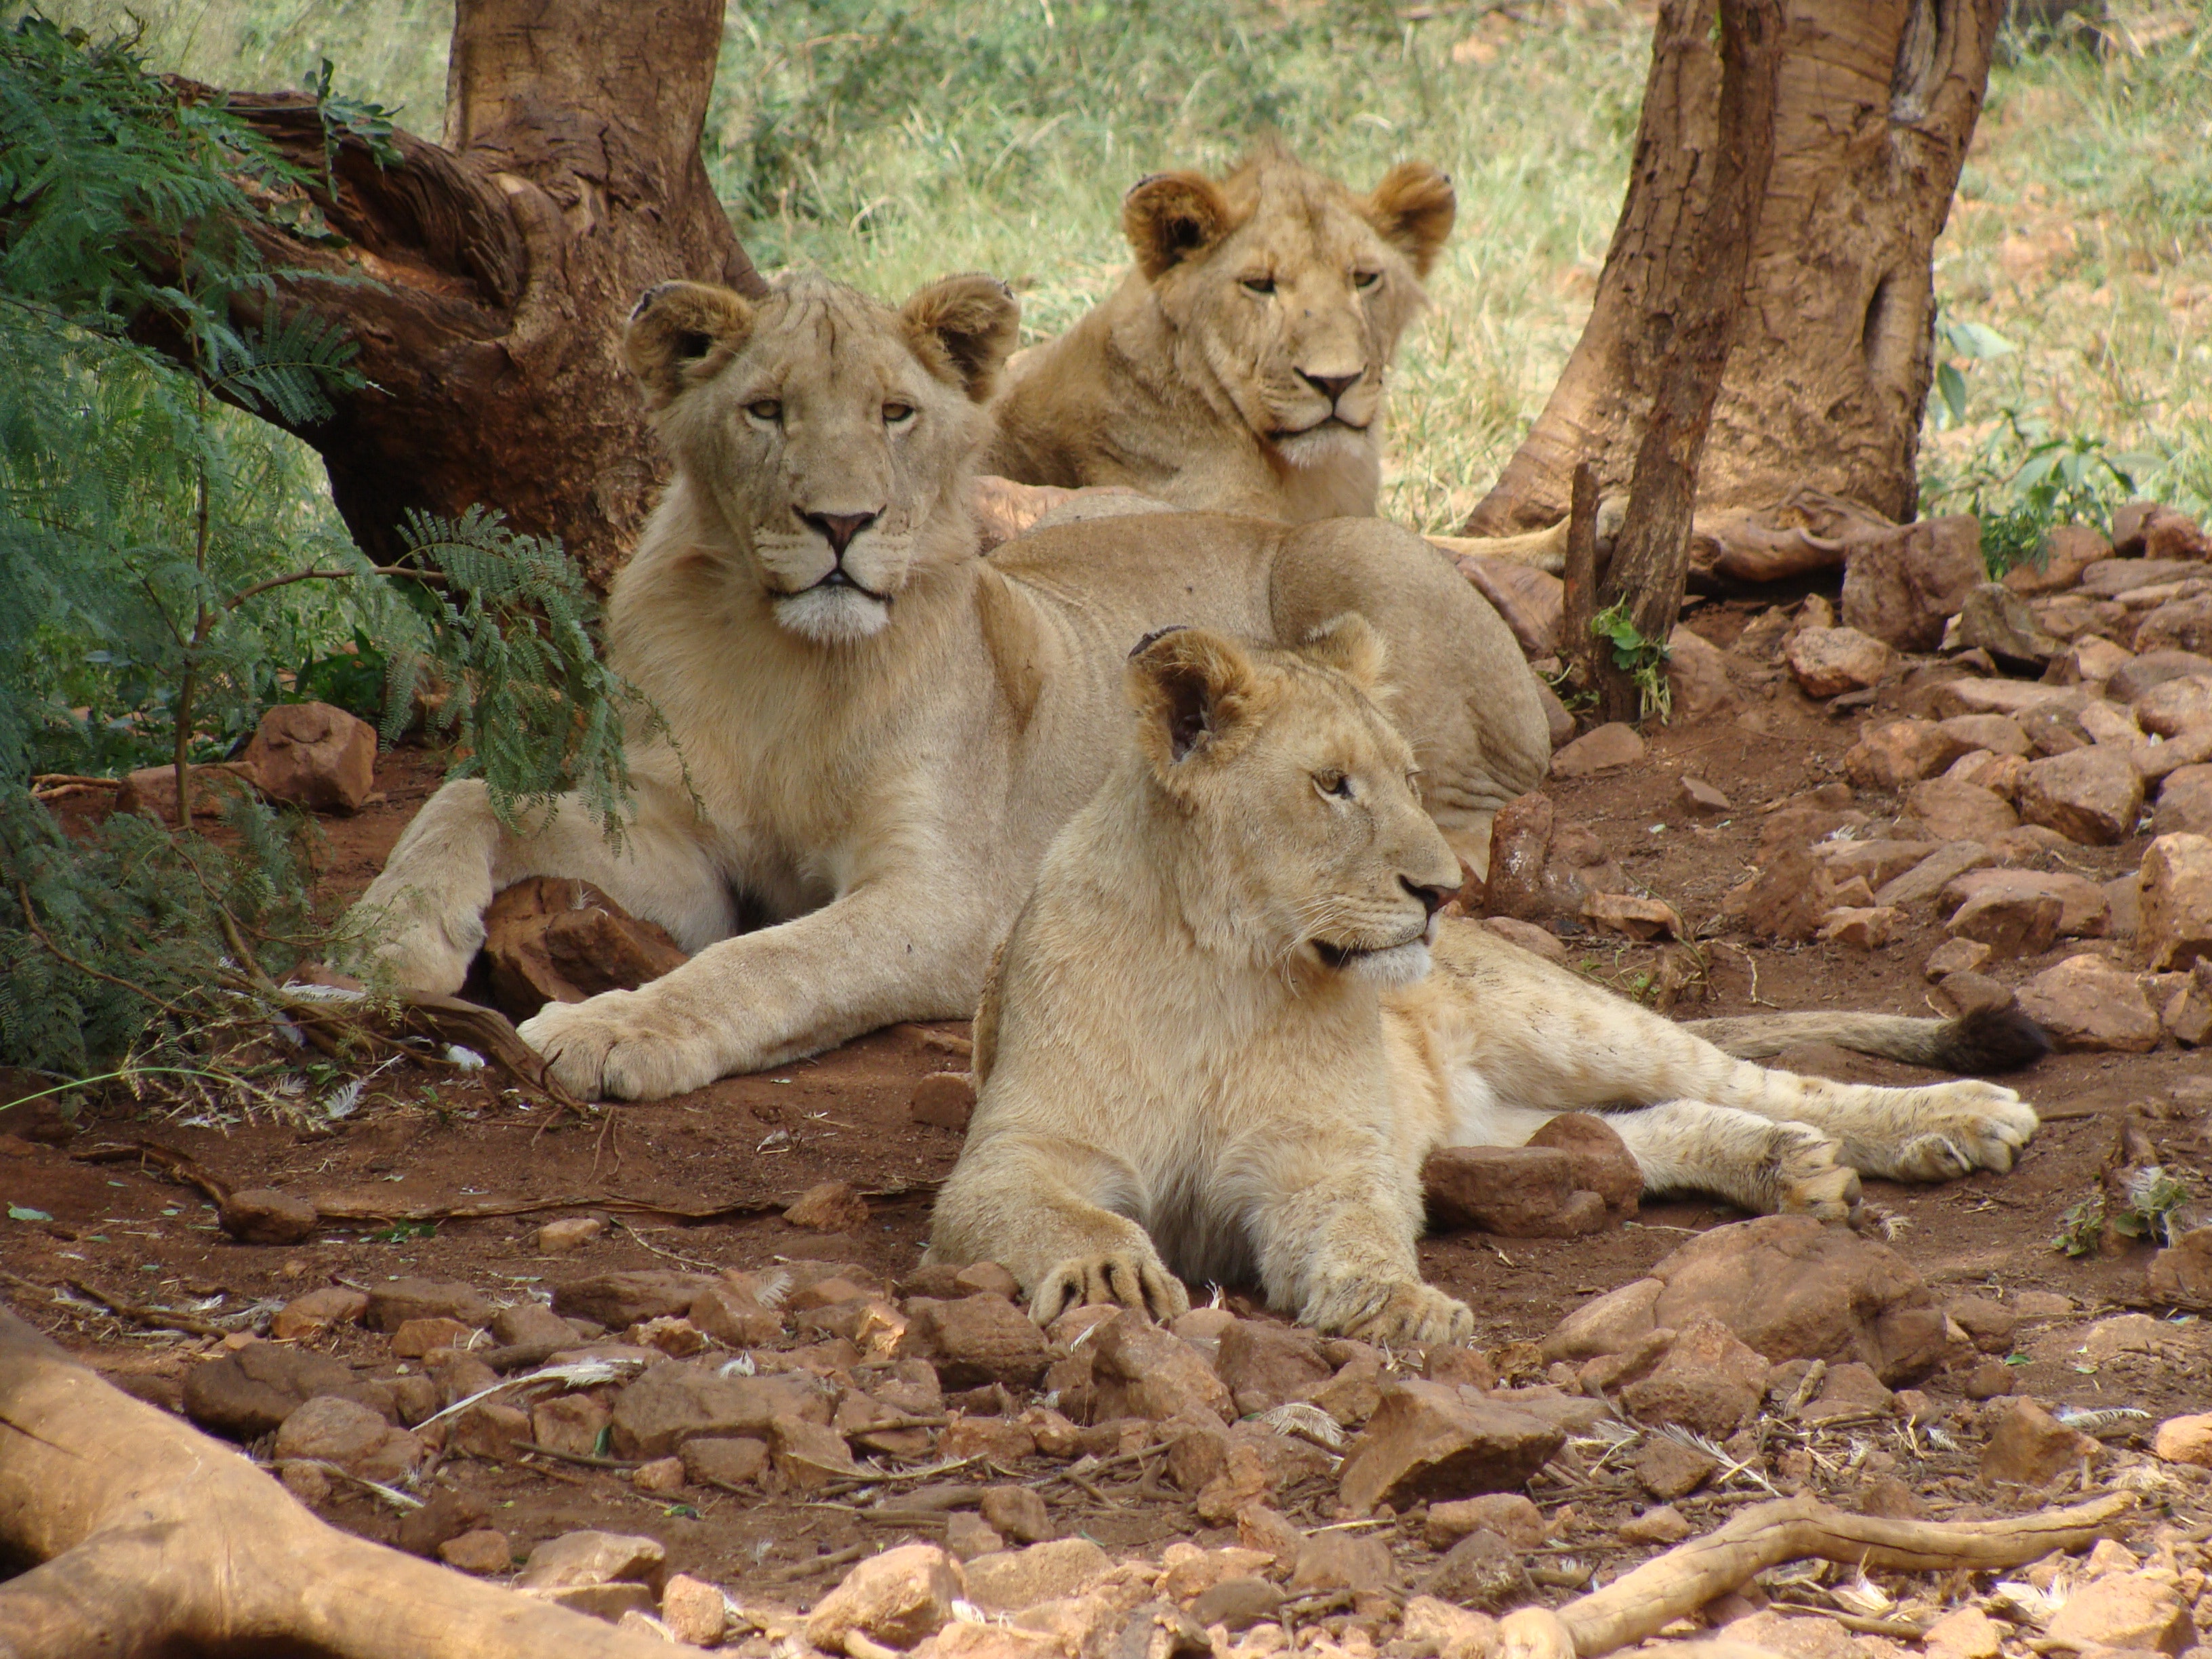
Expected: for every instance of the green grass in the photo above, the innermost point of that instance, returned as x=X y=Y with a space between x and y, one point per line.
x=888 y=141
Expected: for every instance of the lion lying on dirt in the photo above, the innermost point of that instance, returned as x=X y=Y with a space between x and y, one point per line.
x=1213 y=1042
x=884 y=730
x=1239 y=366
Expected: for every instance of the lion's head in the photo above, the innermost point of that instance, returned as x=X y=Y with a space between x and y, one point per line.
x=832 y=434
x=1289 y=290
x=1302 y=841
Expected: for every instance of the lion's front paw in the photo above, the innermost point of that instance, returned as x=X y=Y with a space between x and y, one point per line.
x=1970 y=1126
x=418 y=953
x=1118 y=1278
x=615 y=1046
x=1413 y=1315
x=1809 y=1176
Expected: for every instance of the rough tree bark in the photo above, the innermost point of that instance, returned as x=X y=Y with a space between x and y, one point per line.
x=504 y=260
x=1692 y=305
x=1821 y=409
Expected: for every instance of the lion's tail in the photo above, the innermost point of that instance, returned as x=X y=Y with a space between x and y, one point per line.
x=1981 y=1041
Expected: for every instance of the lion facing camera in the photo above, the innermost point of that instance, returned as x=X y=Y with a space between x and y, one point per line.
x=1229 y=1025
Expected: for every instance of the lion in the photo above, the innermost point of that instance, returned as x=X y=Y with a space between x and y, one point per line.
x=1238 y=367
x=867 y=732
x=1229 y=1025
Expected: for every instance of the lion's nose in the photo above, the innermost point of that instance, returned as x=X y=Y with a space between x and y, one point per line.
x=838 y=529
x=1433 y=899
x=1331 y=387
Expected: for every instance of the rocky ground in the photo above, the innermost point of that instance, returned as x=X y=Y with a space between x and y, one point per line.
x=677 y=1364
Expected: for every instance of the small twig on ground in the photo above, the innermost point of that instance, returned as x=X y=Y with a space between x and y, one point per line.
x=583 y=1460
x=138 y=1314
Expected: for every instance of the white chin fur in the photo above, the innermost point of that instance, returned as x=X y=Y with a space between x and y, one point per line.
x=1401 y=965
x=832 y=615
x=1330 y=442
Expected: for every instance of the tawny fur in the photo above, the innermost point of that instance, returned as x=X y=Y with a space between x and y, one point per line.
x=880 y=761
x=1186 y=1065
x=1192 y=384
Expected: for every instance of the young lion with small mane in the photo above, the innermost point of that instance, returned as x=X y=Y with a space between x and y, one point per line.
x=1213 y=1043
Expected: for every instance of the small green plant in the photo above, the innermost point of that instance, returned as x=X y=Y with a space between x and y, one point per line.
x=2149 y=1211
x=1971 y=342
x=1644 y=661
x=2026 y=479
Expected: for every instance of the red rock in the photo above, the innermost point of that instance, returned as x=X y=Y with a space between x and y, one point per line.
x=1995 y=620
x=2174 y=705
x=1933 y=873
x=2011 y=921
x=1263 y=1365
x=1430 y=1440
x=1599 y=1160
x=1520 y=845
x=1529 y=936
x=1514 y=1192
x=1903 y=587
x=1697 y=676
x=2185 y=1440
x=733 y=1314
x=1637 y=918
x=490 y=1430
x=1138 y=1370
x=1701 y=799
x=1863 y=927
x=577 y=1558
x=1876 y=862
x=318 y=1311
x=1705 y=1379
x=832 y=1207
x=261 y=1215
x=1527 y=600
x=1605 y=749
x=2085 y=911
x=2175 y=924
x=2149 y=669
x=329 y=1430
x=896 y=1599
x=943 y=1099
x=2125 y=1611
x=2028 y=1447
x=1952 y=810
x=695 y=1612
x=553 y=938
x=483 y=1553
x=1014 y=1579
x=2001 y=775
x=1018 y=1513
x=620 y=1300
x=2162 y=532
x=2183 y=625
x=151 y=791
x=2181 y=1275
x=1898 y=752
x=1507 y=1513
x=2092 y=796
x=570 y=1423
x=1791 y=896
x=2068 y=550
x=570 y=1233
x=725 y=1460
x=976 y=1340
x=417 y=1337
x=1828 y=661
x=674 y=1402
x=2086 y=1002
x=315 y=755
x=2185 y=800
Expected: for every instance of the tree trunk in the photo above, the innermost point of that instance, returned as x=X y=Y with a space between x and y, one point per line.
x=1692 y=307
x=1829 y=375
x=504 y=263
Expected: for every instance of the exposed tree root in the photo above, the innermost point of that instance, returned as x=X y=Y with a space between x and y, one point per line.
x=151 y=1539
x=1638 y=1604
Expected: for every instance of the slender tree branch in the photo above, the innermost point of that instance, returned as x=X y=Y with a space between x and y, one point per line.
x=31 y=921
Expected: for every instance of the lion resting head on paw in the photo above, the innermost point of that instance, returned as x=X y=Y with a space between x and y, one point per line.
x=835 y=451
x=1239 y=366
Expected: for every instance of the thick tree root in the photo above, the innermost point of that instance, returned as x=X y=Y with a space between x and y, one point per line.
x=1638 y=1604
x=152 y=1538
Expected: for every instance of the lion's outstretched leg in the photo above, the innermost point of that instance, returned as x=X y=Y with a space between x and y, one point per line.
x=1769 y=1167
x=424 y=914
x=1037 y=1206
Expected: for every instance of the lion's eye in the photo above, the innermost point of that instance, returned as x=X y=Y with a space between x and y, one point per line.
x=1338 y=784
x=897 y=414
x=765 y=409
x=1259 y=285
x=1365 y=279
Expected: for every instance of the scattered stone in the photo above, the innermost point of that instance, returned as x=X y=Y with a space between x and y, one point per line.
x=1902 y=752
x=417 y=1337
x=2175 y=706
x=314 y=755
x=1830 y=661
x=1663 y=1523
x=1988 y=1322
x=2157 y=531
x=1702 y=799
x=1018 y=1513
x=661 y=1474
x=395 y=1301
x=1888 y=1498
x=676 y=1402
x=2175 y=925
x=946 y=1100
x=2184 y=623
x=833 y=1206
x=2140 y=673
x=976 y=1340
x=570 y=1423
x=2134 y=1612
x=151 y=791
x=2185 y=1440
x=1792 y=893
x=332 y=1431
x=627 y=1607
x=896 y=1599
x=724 y=1460
x=1955 y=956
x=1507 y=1514
x=695 y=1611
x=809 y=1454
x=1904 y=586
x=1599 y=1160
x=1637 y=918
x=1604 y=750
x=1667 y=1469
x=2181 y=1276
x=620 y=1300
x=246 y=1392
x=1876 y=862
x=316 y=1312
x=1933 y=873
x=2068 y=550
x=1956 y=811
x=1705 y=1379
x=2085 y=910
x=1482 y=1570
x=2091 y=660
x=1263 y=1365
x=1538 y=941
x=1433 y=1626
x=2087 y=1002
x=1238 y=1603
x=555 y=939
x=1514 y=1192
x=1138 y=1370
x=483 y=1553
x=1428 y=1440
x=1995 y=619
x=2028 y=1447
x=732 y=1314
x=1013 y=1579
x=2092 y=796
x=1863 y=927
x=1529 y=601
x=570 y=1233
x=969 y=1535
x=2020 y=699
x=261 y=1215
x=2001 y=775
x=2009 y=921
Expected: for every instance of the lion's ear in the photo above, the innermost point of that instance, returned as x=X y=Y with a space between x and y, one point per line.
x=681 y=332
x=1348 y=643
x=1171 y=217
x=1413 y=210
x=1191 y=689
x=963 y=328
